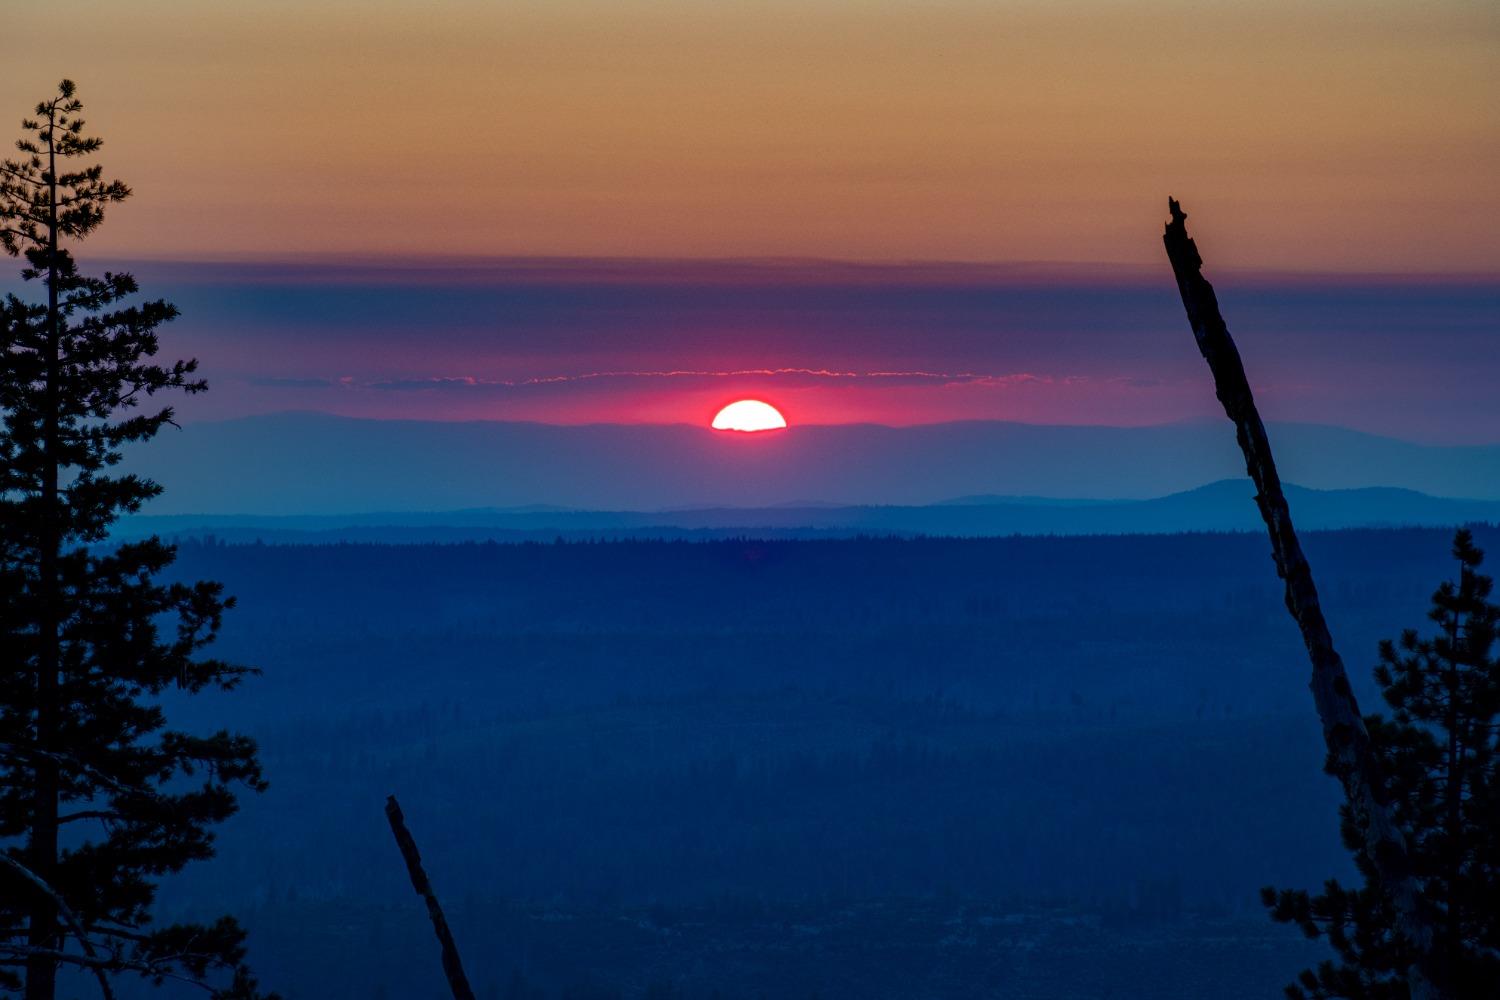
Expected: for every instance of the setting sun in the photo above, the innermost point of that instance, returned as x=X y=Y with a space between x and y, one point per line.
x=749 y=415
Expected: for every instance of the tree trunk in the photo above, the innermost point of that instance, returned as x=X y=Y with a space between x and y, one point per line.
x=1453 y=787
x=1350 y=752
x=41 y=971
x=452 y=967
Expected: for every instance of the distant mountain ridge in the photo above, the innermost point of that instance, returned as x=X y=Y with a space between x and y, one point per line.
x=1221 y=506
x=302 y=463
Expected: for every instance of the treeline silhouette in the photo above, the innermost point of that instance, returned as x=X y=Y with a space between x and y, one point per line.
x=625 y=757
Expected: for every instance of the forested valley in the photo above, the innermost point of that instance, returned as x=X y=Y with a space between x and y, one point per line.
x=855 y=768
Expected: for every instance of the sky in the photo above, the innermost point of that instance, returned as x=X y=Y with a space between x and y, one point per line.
x=617 y=210
x=578 y=341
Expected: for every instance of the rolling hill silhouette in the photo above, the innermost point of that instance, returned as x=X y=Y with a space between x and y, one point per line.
x=1221 y=506
x=303 y=464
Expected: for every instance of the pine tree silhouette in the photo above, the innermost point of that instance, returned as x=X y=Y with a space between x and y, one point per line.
x=99 y=798
x=1439 y=754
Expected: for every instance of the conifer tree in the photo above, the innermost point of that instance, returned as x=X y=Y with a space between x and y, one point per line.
x=1439 y=754
x=98 y=797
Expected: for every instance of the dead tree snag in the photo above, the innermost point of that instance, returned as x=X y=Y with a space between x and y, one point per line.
x=1350 y=755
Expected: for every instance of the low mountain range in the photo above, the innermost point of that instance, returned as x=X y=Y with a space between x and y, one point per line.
x=1223 y=506
x=315 y=464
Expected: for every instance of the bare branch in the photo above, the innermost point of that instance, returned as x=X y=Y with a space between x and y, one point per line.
x=452 y=967
x=98 y=965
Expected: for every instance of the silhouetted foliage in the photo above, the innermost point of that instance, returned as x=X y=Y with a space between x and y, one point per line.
x=99 y=798
x=1439 y=751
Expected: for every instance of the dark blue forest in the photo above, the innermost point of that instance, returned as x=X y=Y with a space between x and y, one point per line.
x=840 y=769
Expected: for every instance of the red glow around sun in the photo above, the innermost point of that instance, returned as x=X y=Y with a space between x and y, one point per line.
x=749 y=415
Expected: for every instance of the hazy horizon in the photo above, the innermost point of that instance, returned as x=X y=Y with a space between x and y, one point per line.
x=315 y=463
x=1184 y=422
x=581 y=341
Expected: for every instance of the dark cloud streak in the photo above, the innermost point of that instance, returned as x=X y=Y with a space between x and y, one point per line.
x=600 y=340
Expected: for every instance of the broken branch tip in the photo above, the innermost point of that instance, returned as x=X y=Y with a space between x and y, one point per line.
x=1175 y=207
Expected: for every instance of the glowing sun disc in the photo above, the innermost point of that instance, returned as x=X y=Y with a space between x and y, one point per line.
x=749 y=415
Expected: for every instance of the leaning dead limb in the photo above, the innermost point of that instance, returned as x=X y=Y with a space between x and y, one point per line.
x=100 y=943
x=97 y=965
x=1350 y=753
x=452 y=967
